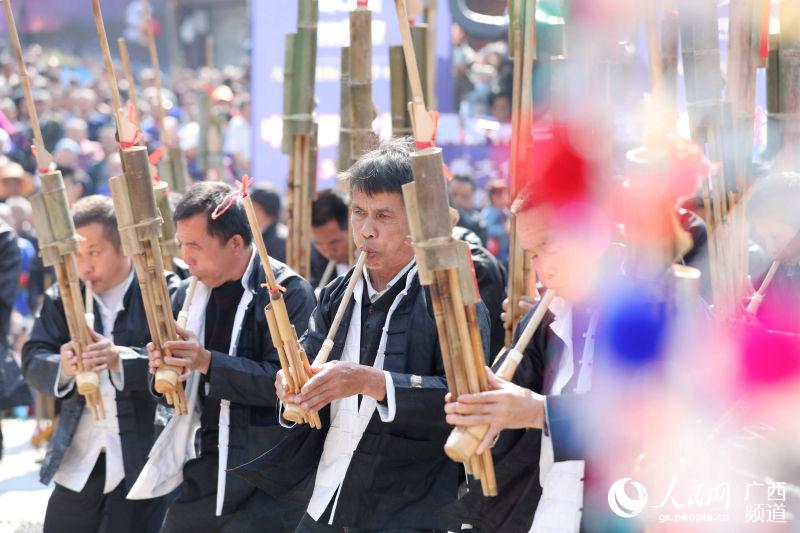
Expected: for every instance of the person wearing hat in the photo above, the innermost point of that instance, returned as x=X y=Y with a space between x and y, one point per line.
x=14 y=181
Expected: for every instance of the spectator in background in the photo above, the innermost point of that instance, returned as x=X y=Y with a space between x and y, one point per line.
x=500 y=105
x=89 y=152
x=75 y=185
x=14 y=181
x=238 y=135
x=462 y=197
x=267 y=204
x=495 y=216
x=100 y=171
x=9 y=277
x=329 y=221
x=27 y=253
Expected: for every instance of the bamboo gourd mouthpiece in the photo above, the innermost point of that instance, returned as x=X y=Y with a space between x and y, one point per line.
x=87 y=382
x=462 y=443
x=165 y=381
x=295 y=414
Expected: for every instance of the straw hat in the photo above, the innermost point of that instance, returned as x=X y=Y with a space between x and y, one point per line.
x=14 y=181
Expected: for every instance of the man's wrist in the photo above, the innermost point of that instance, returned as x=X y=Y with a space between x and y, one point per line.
x=206 y=366
x=536 y=410
x=375 y=383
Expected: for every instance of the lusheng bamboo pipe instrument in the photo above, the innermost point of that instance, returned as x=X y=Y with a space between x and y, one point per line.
x=57 y=238
x=463 y=441
x=140 y=229
x=327 y=345
x=293 y=359
x=443 y=263
x=300 y=133
x=758 y=297
x=59 y=244
x=521 y=45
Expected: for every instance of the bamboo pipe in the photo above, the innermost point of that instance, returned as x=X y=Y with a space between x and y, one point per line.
x=109 y=65
x=151 y=47
x=327 y=345
x=758 y=297
x=463 y=441
x=290 y=353
x=330 y=268
x=43 y=158
x=140 y=229
x=59 y=243
x=210 y=51
x=422 y=123
x=89 y=304
x=362 y=109
x=522 y=46
x=132 y=95
x=183 y=315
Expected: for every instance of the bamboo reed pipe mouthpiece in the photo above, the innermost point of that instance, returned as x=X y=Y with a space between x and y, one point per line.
x=758 y=297
x=327 y=346
x=89 y=304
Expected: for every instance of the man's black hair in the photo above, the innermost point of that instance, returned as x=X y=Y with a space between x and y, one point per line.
x=463 y=178
x=329 y=205
x=383 y=170
x=203 y=198
x=267 y=199
x=776 y=196
x=99 y=209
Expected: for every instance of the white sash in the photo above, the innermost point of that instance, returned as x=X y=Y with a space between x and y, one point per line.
x=348 y=420
x=163 y=471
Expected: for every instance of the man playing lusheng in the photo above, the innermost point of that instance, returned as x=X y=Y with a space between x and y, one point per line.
x=95 y=462
x=382 y=467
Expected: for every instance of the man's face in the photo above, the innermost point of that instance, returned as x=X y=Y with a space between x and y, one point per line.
x=209 y=260
x=380 y=227
x=331 y=241
x=499 y=198
x=565 y=258
x=461 y=195
x=98 y=260
x=779 y=238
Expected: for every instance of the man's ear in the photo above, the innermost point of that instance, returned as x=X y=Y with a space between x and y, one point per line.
x=237 y=241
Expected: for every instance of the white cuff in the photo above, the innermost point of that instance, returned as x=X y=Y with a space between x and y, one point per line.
x=118 y=378
x=63 y=384
x=388 y=411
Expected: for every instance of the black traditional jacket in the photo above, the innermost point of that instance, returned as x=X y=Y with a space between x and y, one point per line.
x=135 y=405
x=399 y=475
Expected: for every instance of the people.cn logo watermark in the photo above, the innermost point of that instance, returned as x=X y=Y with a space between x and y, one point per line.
x=623 y=505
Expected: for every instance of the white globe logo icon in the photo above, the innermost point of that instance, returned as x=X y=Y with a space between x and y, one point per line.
x=623 y=505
